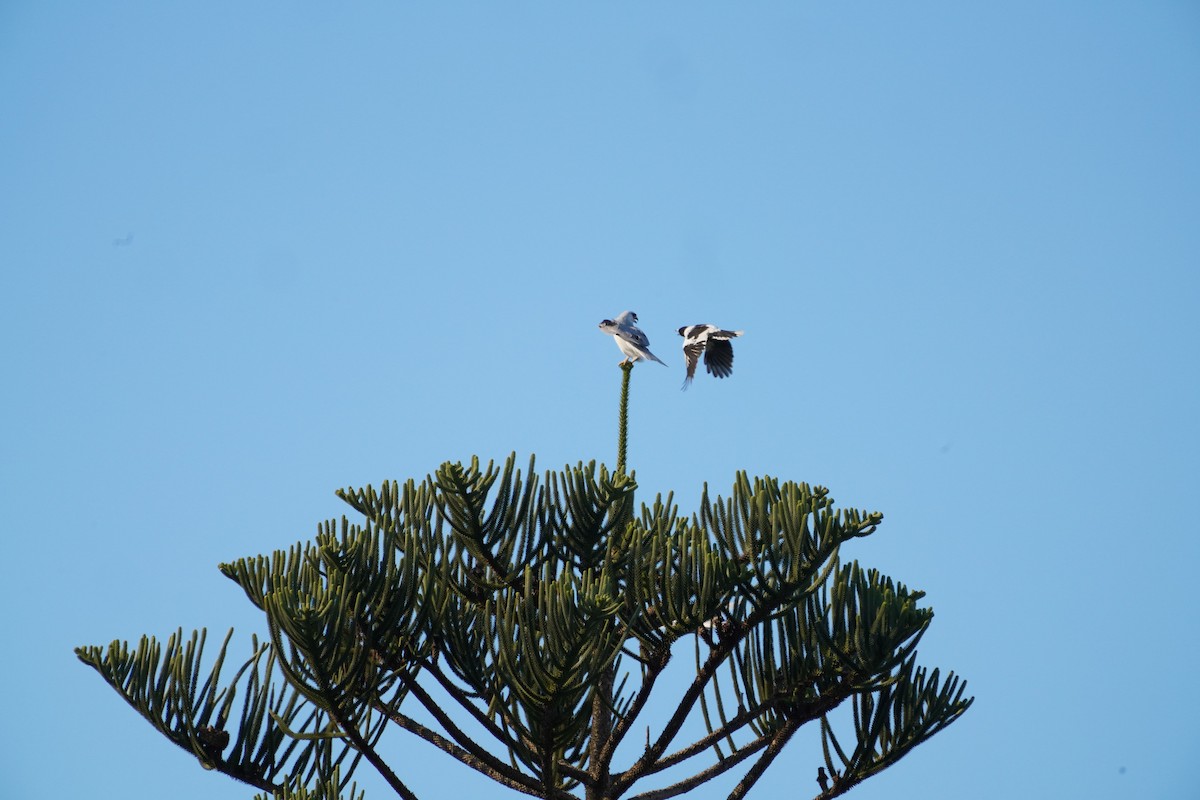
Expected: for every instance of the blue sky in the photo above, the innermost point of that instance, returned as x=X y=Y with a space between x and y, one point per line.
x=257 y=252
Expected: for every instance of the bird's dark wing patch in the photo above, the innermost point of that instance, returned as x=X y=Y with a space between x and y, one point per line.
x=718 y=358
x=691 y=353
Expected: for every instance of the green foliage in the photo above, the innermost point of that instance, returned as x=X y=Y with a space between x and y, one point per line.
x=328 y=788
x=272 y=722
x=512 y=595
x=531 y=617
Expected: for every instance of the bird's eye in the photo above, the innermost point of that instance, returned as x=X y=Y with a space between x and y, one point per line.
x=606 y=322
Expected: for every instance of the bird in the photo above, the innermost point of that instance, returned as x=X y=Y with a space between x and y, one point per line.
x=713 y=342
x=629 y=337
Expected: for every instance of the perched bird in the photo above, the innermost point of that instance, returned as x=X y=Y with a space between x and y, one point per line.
x=629 y=337
x=714 y=344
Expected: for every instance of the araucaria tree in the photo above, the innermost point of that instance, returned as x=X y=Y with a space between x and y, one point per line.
x=523 y=625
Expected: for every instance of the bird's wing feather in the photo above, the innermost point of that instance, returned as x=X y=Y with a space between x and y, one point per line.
x=691 y=353
x=634 y=334
x=718 y=358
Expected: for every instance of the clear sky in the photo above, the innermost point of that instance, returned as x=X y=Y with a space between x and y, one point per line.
x=254 y=252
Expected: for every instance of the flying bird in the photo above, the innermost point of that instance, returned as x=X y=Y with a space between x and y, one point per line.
x=629 y=337
x=714 y=344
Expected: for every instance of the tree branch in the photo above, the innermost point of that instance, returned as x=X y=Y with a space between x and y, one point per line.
x=624 y=724
x=477 y=750
x=352 y=733
x=481 y=760
x=459 y=697
x=243 y=775
x=622 y=781
x=723 y=648
x=457 y=733
x=602 y=728
x=740 y=721
x=780 y=738
x=715 y=658
x=705 y=775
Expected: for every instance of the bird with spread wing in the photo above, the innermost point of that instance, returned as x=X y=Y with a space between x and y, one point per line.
x=711 y=342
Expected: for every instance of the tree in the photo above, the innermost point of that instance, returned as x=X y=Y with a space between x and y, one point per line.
x=528 y=623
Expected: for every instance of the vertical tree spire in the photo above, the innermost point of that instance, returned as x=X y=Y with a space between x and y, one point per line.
x=623 y=427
